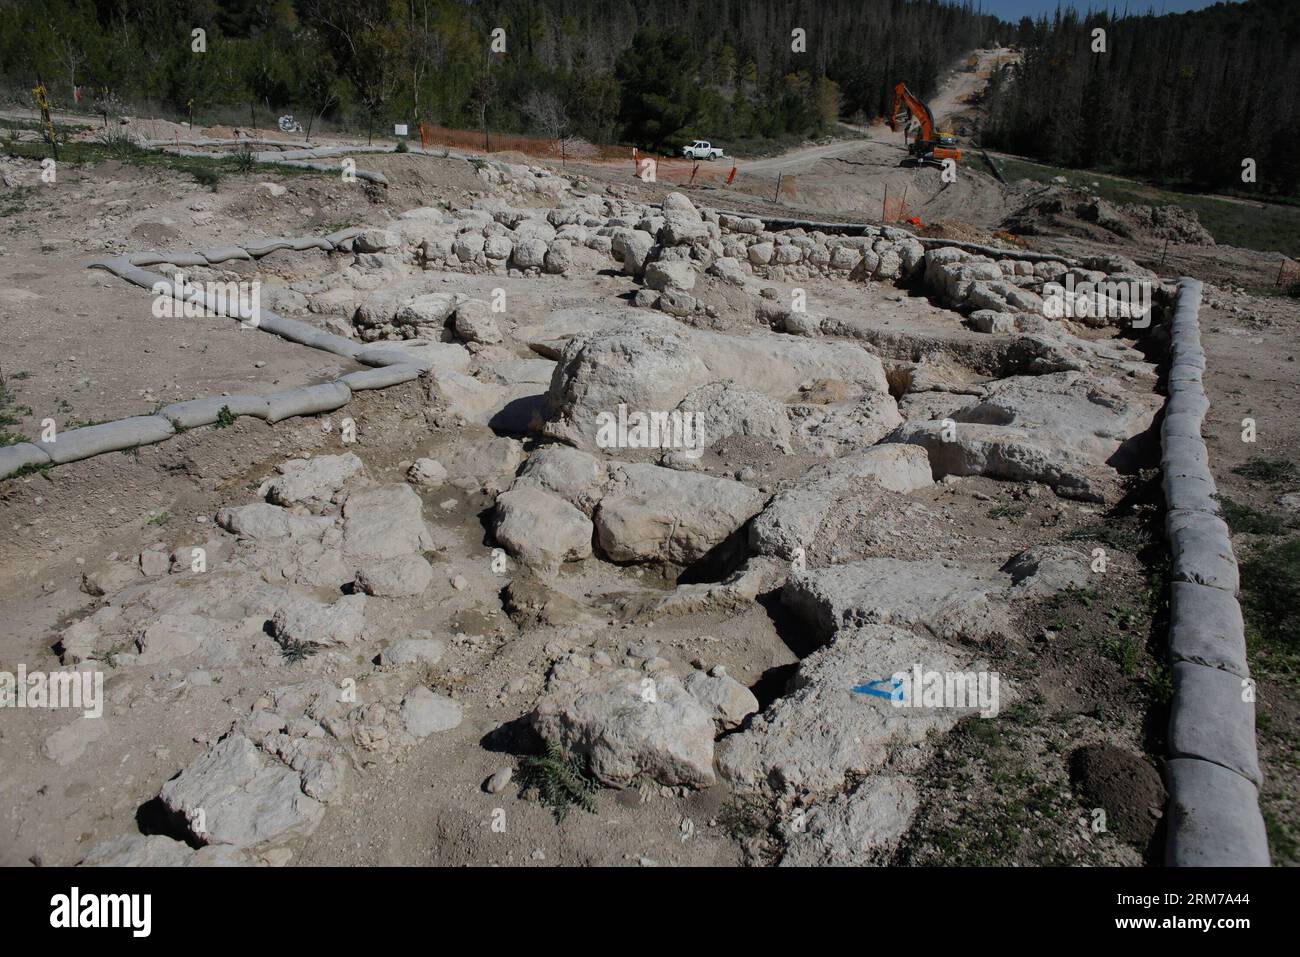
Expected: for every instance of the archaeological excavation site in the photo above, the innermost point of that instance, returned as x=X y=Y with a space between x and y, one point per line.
x=420 y=489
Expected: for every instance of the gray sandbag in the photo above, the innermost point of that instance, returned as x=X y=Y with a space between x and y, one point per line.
x=1186 y=468
x=1201 y=550
x=206 y=411
x=294 y=330
x=1214 y=818
x=1187 y=457
x=1183 y=493
x=1189 y=400
x=1206 y=628
x=1182 y=449
x=349 y=232
x=308 y=335
x=309 y=400
x=186 y=260
x=380 y=378
x=337 y=345
x=109 y=263
x=378 y=356
x=1209 y=719
x=1181 y=424
x=263 y=247
x=310 y=152
x=221 y=254
x=332 y=168
x=311 y=242
x=123 y=269
x=15 y=458
x=327 y=152
x=148 y=257
x=76 y=444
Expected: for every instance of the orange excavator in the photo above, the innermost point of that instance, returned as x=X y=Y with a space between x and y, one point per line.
x=929 y=147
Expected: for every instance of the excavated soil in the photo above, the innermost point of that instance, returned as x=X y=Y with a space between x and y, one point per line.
x=1082 y=663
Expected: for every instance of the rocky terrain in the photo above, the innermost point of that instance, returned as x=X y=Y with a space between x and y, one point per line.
x=606 y=581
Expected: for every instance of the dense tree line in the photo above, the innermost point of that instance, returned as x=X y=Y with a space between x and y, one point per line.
x=1182 y=99
x=639 y=71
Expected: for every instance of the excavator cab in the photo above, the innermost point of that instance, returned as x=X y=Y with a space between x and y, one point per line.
x=930 y=147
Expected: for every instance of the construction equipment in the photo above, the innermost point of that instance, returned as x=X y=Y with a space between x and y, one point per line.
x=929 y=147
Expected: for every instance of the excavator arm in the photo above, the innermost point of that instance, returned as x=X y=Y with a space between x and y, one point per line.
x=905 y=99
x=930 y=147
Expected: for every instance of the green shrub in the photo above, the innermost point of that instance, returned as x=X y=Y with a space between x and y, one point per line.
x=1272 y=471
x=562 y=780
x=1246 y=520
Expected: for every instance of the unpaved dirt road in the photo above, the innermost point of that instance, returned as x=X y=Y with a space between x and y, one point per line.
x=958 y=84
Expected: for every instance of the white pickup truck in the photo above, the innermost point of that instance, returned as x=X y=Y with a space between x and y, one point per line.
x=701 y=149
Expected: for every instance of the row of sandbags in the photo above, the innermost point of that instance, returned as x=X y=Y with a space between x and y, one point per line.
x=389 y=366
x=1213 y=774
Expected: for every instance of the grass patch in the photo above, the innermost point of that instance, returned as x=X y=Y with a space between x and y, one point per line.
x=1008 y=511
x=563 y=780
x=1160 y=683
x=1281 y=840
x=1072 y=596
x=1272 y=227
x=1247 y=520
x=1270 y=471
x=206 y=170
x=224 y=417
x=1270 y=599
x=15 y=202
x=43 y=468
x=1112 y=536
x=993 y=804
x=1121 y=645
x=61 y=130
x=10 y=411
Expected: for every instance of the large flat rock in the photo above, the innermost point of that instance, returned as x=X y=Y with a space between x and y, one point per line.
x=949 y=600
x=821 y=735
x=631 y=724
x=652 y=514
x=234 y=794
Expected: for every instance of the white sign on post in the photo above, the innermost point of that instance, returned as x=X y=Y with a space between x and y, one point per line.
x=399 y=129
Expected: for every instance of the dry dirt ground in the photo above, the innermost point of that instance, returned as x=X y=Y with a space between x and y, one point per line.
x=1082 y=663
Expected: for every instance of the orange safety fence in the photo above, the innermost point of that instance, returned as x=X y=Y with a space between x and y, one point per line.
x=1288 y=273
x=683 y=172
x=678 y=171
x=895 y=210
